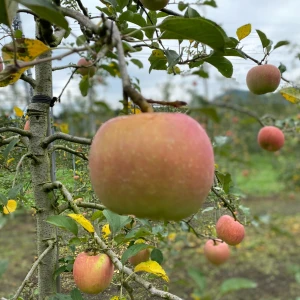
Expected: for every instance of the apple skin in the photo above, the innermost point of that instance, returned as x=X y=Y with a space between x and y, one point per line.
x=92 y=273
x=86 y=71
x=270 y=138
x=230 y=231
x=158 y=166
x=263 y=79
x=216 y=252
x=155 y=4
x=27 y=125
x=140 y=257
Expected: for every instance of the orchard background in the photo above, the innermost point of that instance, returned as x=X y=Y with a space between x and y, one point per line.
x=49 y=212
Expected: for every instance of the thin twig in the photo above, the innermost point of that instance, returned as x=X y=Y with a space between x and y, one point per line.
x=67 y=149
x=63 y=136
x=18 y=168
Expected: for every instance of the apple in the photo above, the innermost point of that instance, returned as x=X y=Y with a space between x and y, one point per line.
x=263 y=79
x=140 y=257
x=216 y=252
x=245 y=173
x=86 y=71
x=27 y=125
x=92 y=273
x=270 y=138
x=76 y=177
x=158 y=166
x=155 y=4
x=229 y=230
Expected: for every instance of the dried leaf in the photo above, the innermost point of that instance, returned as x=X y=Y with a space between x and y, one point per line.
x=80 y=219
x=152 y=267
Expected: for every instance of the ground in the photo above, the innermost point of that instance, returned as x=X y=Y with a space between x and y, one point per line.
x=269 y=255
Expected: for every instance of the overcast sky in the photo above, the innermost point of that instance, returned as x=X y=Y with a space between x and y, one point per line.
x=278 y=19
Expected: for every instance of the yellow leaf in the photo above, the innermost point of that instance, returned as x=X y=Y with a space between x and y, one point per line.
x=64 y=127
x=139 y=241
x=27 y=50
x=9 y=161
x=80 y=219
x=136 y=111
x=10 y=207
x=291 y=94
x=152 y=267
x=105 y=231
x=158 y=53
x=18 y=111
x=243 y=31
x=172 y=236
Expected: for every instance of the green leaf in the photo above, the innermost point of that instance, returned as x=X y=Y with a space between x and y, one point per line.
x=173 y=58
x=182 y=6
x=232 y=42
x=281 y=43
x=133 y=32
x=282 y=68
x=115 y=221
x=133 y=250
x=263 y=38
x=3 y=199
x=64 y=223
x=122 y=3
x=201 y=73
x=223 y=65
x=199 y=278
x=8 y=11
x=137 y=63
x=134 y=18
x=3 y=266
x=59 y=297
x=45 y=9
x=234 y=52
x=18 y=33
x=10 y=146
x=210 y=2
x=225 y=180
x=191 y=13
x=76 y=295
x=207 y=32
x=157 y=62
x=97 y=215
x=80 y=40
x=59 y=271
x=84 y=85
x=13 y=192
x=210 y=112
x=137 y=233
x=236 y=284
x=157 y=256
x=207 y=209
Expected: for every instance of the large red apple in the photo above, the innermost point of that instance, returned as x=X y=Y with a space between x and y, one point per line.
x=87 y=70
x=230 y=231
x=216 y=252
x=155 y=4
x=140 y=257
x=270 y=138
x=92 y=273
x=154 y=165
x=263 y=79
x=27 y=125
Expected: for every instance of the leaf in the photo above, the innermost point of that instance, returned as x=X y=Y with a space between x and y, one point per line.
x=8 y=11
x=116 y=222
x=3 y=199
x=207 y=32
x=156 y=255
x=291 y=94
x=235 y=284
x=64 y=223
x=84 y=85
x=9 y=161
x=85 y=223
x=243 y=31
x=133 y=250
x=207 y=209
x=3 y=266
x=134 y=18
x=10 y=207
x=280 y=44
x=152 y=267
x=157 y=60
x=64 y=127
x=45 y=9
x=10 y=146
x=263 y=38
x=105 y=231
x=173 y=57
x=282 y=68
x=211 y=112
x=97 y=215
x=60 y=297
x=137 y=63
x=225 y=180
x=223 y=65
x=76 y=295
x=80 y=40
x=13 y=192
x=18 y=111
x=199 y=278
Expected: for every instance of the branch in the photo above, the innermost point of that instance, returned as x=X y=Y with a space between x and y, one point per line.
x=16 y=130
x=34 y=266
x=168 y=103
x=27 y=11
x=67 y=149
x=65 y=67
x=82 y=8
x=146 y=284
x=29 y=80
x=64 y=207
x=63 y=136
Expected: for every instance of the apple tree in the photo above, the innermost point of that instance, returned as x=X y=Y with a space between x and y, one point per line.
x=150 y=171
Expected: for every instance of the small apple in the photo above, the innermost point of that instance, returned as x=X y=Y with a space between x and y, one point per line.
x=161 y=167
x=270 y=138
x=27 y=125
x=76 y=177
x=86 y=71
x=92 y=273
x=263 y=79
x=235 y=120
x=216 y=252
x=245 y=173
x=155 y=4
x=140 y=257
x=229 y=230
